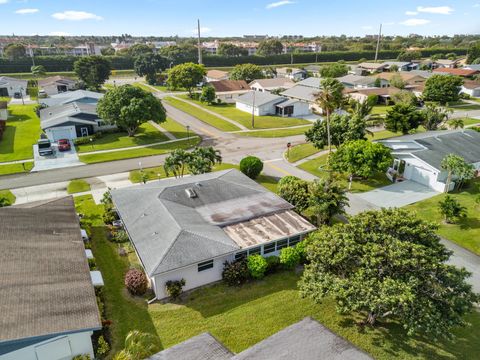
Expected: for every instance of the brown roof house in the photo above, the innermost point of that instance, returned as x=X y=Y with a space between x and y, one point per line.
x=216 y=75
x=56 y=84
x=47 y=300
x=229 y=90
x=271 y=84
x=469 y=87
x=466 y=73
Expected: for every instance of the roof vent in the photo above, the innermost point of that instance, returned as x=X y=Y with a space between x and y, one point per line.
x=198 y=184
x=191 y=193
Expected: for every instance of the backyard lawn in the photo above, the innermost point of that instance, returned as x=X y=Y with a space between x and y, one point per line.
x=77 y=186
x=22 y=131
x=242 y=316
x=467 y=232
x=146 y=134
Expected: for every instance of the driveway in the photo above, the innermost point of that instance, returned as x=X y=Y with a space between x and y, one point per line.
x=398 y=194
x=56 y=161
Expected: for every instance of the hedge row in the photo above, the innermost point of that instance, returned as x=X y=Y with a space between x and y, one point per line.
x=65 y=63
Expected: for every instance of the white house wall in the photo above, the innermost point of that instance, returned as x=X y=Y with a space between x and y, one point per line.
x=52 y=133
x=72 y=345
x=301 y=108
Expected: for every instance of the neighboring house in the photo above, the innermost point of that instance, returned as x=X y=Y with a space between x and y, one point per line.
x=384 y=94
x=466 y=73
x=305 y=90
x=313 y=69
x=271 y=84
x=472 y=67
x=409 y=77
x=79 y=96
x=3 y=110
x=229 y=90
x=188 y=227
x=12 y=87
x=469 y=87
x=445 y=63
x=370 y=67
x=401 y=65
x=361 y=82
x=48 y=302
x=305 y=340
x=216 y=75
x=264 y=103
x=71 y=120
x=56 y=84
x=291 y=73
x=423 y=73
x=418 y=157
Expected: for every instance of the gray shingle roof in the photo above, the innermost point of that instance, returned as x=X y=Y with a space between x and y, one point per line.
x=60 y=114
x=301 y=92
x=170 y=230
x=200 y=347
x=45 y=283
x=71 y=96
x=6 y=80
x=314 y=82
x=261 y=98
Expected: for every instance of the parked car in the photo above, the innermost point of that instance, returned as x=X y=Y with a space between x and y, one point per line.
x=45 y=147
x=17 y=95
x=63 y=145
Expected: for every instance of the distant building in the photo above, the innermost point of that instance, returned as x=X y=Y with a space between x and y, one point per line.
x=56 y=84
x=12 y=87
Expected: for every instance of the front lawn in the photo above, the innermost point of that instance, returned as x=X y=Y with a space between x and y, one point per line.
x=317 y=167
x=276 y=133
x=176 y=129
x=21 y=133
x=16 y=168
x=300 y=151
x=78 y=186
x=7 y=194
x=242 y=316
x=467 y=232
x=465 y=107
x=380 y=109
x=470 y=121
x=146 y=134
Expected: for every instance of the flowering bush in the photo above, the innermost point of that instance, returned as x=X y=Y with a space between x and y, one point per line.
x=136 y=282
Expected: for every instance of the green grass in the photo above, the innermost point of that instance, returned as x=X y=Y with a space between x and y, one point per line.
x=15 y=168
x=8 y=195
x=22 y=131
x=317 y=167
x=465 y=107
x=261 y=122
x=176 y=129
x=202 y=115
x=466 y=232
x=470 y=121
x=77 y=186
x=380 y=109
x=147 y=151
x=146 y=134
x=301 y=151
x=275 y=133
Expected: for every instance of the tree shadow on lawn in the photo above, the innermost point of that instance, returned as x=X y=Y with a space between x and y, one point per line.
x=18 y=117
x=469 y=223
x=7 y=141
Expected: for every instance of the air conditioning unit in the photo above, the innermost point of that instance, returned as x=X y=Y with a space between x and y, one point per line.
x=191 y=193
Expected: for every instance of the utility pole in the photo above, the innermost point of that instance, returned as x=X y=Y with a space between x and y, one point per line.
x=378 y=42
x=199 y=44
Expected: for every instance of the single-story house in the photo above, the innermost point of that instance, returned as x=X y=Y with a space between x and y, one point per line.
x=418 y=157
x=371 y=67
x=409 y=77
x=48 y=303
x=302 y=93
x=359 y=82
x=445 y=63
x=271 y=84
x=79 y=96
x=305 y=340
x=466 y=73
x=423 y=73
x=265 y=103
x=471 y=88
x=313 y=69
x=56 y=84
x=3 y=110
x=12 y=87
x=216 y=75
x=188 y=227
x=291 y=73
x=472 y=67
x=71 y=120
x=401 y=65
x=384 y=94
x=229 y=90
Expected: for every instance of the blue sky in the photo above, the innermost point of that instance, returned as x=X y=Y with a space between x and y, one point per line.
x=228 y=18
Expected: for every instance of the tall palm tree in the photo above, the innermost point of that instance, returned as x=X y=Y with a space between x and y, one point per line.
x=138 y=346
x=329 y=99
x=176 y=162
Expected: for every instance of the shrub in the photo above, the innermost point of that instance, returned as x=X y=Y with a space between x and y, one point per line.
x=273 y=263
x=257 y=265
x=92 y=264
x=451 y=209
x=300 y=248
x=289 y=257
x=5 y=201
x=174 y=288
x=120 y=236
x=136 y=282
x=251 y=166
x=82 y=357
x=102 y=347
x=235 y=273
x=109 y=216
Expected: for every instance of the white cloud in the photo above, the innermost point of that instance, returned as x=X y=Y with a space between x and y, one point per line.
x=278 y=4
x=3 y=1
x=444 y=10
x=411 y=13
x=415 y=22
x=26 y=11
x=476 y=5
x=72 y=15
x=203 y=30
x=367 y=27
x=59 y=33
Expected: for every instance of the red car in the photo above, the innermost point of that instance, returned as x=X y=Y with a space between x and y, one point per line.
x=63 y=145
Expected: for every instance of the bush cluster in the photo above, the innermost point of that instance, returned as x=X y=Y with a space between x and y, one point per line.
x=136 y=282
x=120 y=236
x=235 y=273
x=251 y=166
x=257 y=266
x=273 y=264
x=174 y=288
x=289 y=257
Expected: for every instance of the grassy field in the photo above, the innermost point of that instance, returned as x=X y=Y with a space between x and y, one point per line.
x=22 y=131
x=77 y=186
x=147 y=151
x=276 y=133
x=470 y=121
x=242 y=316
x=176 y=129
x=146 y=134
x=466 y=232
x=261 y=122
x=8 y=195
x=202 y=115
x=301 y=151
x=15 y=168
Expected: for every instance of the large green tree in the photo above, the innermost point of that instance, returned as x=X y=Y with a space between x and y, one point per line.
x=327 y=199
x=92 y=70
x=231 y=50
x=137 y=50
x=435 y=116
x=295 y=191
x=473 y=52
x=403 y=118
x=409 y=55
x=269 y=47
x=187 y=76
x=388 y=264
x=177 y=163
x=333 y=70
x=198 y=161
x=442 y=88
x=361 y=158
x=247 y=72
x=129 y=106
x=148 y=65
x=179 y=53
x=14 y=51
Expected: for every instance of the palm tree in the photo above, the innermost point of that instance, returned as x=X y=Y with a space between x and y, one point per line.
x=329 y=99
x=456 y=123
x=203 y=159
x=175 y=163
x=138 y=346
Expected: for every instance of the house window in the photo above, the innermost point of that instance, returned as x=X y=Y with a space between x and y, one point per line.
x=240 y=255
x=205 y=265
x=294 y=240
x=254 y=251
x=281 y=244
x=268 y=248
